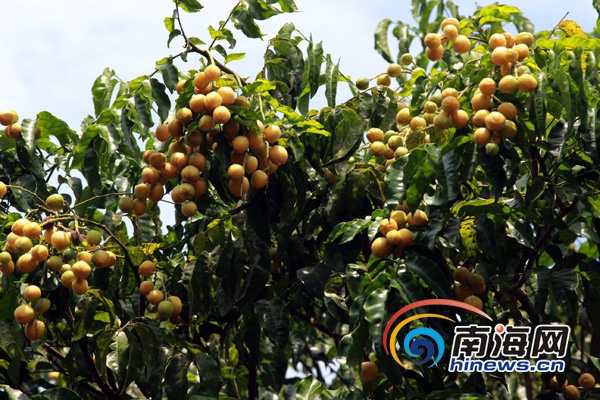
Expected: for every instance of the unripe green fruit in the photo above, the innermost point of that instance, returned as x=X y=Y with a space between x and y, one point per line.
x=394 y=70
x=492 y=149
x=55 y=202
x=362 y=83
x=406 y=59
x=165 y=309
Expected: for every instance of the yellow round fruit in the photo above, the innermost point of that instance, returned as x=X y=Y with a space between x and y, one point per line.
x=60 y=240
x=94 y=237
x=3 y=189
x=177 y=304
x=81 y=269
x=586 y=380
x=42 y=305
x=380 y=247
x=475 y=302
x=417 y=219
x=79 y=286
x=189 y=208
x=24 y=313
x=35 y=329
x=155 y=296
x=461 y=292
x=55 y=202
x=461 y=274
x=259 y=179
x=147 y=268
x=101 y=259
x=571 y=392
x=368 y=371
x=146 y=287
x=212 y=72
x=32 y=292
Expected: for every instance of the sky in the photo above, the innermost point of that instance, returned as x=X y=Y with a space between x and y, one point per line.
x=53 y=51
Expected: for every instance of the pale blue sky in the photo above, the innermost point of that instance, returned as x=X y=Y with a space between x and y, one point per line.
x=53 y=51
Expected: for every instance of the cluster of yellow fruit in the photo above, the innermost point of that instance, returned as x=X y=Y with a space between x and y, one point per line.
x=58 y=250
x=469 y=286
x=253 y=155
x=434 y=42
x=572 y=392
x=168 y=308
x=389 y=145
x=492 y=122
x=396 y=236
x=26 y=312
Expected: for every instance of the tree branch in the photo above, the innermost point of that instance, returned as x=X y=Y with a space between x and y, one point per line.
x=107 y=390
x=320 y=327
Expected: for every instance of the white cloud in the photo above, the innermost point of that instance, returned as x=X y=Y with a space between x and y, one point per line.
x=53 y=51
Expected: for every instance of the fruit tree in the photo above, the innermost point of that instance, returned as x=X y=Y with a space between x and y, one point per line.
x=207 y=234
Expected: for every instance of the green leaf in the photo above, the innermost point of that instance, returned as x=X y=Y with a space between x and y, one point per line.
x=273 y=317
x=210 y=375
x=331 y=80
x=58 y=393
x=28 y=134
x=260 y=10
x=348 y=133
x=190 y=6
x=84 y=319
x=245 y=22
x=435 y=275
x=169 y=72
x=315 y=60
x=375 y=313
x=234 y=57
x=49 y=125
x=161 y=98
x=117 y=358
x=556 y=140
x=102 y=90
x=381 y=40
x=309 y=388
x=222 y=34
x=176 y=383
x=394 y=188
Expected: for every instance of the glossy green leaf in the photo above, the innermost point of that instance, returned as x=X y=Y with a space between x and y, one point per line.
x=309 y=388
x=315 y=60
x=169 y=72
x=210 y=375
x=332 y=74
x=176 y=383
x=245 y=22
x=273 y=317
x=58 y=393
x=432 y=273
x=190 y=6
x=381 y=39
x=103 y=89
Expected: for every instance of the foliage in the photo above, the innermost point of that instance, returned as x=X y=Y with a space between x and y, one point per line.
x=282 y=278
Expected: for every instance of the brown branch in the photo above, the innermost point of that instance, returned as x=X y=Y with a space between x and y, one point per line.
x=96 y=198
x=107 y=390
x=320 y=327
x=527 y=305
x=94 y=392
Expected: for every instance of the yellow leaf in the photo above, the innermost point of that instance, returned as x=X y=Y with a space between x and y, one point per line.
x=571 y=28
x=149 y=248
x=469 y=237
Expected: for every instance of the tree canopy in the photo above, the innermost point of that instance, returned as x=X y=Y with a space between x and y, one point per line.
x=462 y=183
